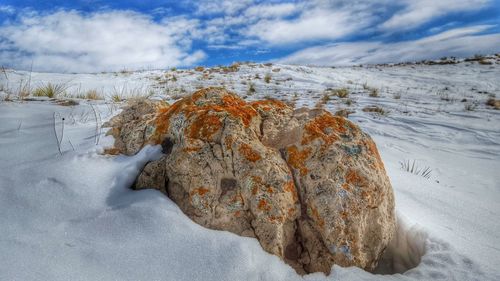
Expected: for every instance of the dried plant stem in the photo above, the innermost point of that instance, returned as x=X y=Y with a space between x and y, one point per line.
x=5 y=73
x=71 y=145
x=55 y=135
x=97 y=117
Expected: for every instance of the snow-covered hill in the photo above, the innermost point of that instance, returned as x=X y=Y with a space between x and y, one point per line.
x=69 y=215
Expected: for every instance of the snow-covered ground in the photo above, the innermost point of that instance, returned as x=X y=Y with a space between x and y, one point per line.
x=71 y=216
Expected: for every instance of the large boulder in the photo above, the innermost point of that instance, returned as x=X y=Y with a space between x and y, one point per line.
x=310 y=186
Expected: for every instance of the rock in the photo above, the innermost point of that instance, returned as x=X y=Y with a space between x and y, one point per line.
x=344 y=113
x=131 y=128
x=310 y=186
x=494 y=103
x=346 y=197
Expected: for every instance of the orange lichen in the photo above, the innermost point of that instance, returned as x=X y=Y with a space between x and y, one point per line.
x=229 y=142
x=197 y=111
x=276 y=219
x=112 y=151
x=204 y=127
x=257 y=179
x=254 y=190
x=326 y=127
x=250 y=154
x=297 y=158
x=290 y=187
x=267 y=105
x=346 y=186
x=366 y=195
x=263 y=205
x=317 y=217
x=201 y=191
x=191 y=149
x=238 y=108
x=344 y=215
x=353 y=178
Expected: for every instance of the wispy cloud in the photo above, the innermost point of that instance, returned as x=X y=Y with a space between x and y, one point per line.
x=418 y=12
x=314 y=25
x=277 y=23
x=460 y=42
x=226 y=7
x=7 y=9
x=73 y=41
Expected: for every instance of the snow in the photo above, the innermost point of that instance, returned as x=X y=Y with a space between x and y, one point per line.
x=73 y=217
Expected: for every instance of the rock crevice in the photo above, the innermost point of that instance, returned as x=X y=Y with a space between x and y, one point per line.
x=310 y=186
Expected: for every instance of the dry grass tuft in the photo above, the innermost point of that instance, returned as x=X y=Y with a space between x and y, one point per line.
x=341 y=93
x=376 y=109
x=267 y=78
x=374 y=93
x=251 y=88
x=116 y=98
x=50 y=90
x=93 y=95
x=412 y=167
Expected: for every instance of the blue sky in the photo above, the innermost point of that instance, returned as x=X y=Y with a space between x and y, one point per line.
x=101 y=35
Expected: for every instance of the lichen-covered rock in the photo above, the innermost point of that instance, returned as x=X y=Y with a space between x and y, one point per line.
x=132 y=127
x=345 y=193
x=308 y=185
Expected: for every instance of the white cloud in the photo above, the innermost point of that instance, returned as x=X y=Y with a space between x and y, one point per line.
x=7 y=9
x=315 y=20
x=271 y=10
x=418 y=12
x=460 y=42
x=75 y=42
x=228 y=7
x=317 y=25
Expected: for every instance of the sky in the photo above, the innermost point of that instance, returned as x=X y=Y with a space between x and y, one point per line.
x=102 y=35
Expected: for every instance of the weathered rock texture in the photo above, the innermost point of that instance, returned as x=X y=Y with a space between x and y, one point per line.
x=132 y=128
x=310 y=186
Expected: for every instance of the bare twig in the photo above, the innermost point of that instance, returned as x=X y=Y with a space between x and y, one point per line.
x=97 y=132
x=5 y=73
x=71 y=145
x=62 y=131
x=29 y=79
